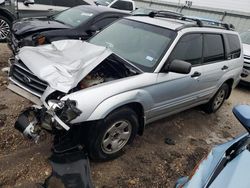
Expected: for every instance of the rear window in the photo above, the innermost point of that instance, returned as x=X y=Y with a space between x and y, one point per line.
x=234 y=46
x=213 y=48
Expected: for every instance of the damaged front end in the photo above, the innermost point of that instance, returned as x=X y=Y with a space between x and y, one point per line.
x=54 y=116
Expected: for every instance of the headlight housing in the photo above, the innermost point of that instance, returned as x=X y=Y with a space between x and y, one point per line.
x=40 y=39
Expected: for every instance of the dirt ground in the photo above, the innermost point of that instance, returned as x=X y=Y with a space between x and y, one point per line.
x=148 y=162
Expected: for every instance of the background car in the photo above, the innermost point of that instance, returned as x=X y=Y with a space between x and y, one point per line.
x=127 y=5
x=227 y=165
x=245 y=38
x=11 y=10
x=79 y=22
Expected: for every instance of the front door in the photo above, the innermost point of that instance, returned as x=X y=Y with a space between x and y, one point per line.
x=175 y=92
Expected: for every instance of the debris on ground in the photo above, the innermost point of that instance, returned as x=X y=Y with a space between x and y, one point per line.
x=169 y=141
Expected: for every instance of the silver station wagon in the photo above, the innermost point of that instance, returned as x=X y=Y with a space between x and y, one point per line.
x=103 y=92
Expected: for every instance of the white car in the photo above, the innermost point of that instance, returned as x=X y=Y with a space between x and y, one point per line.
x=245 y=37
x=126 y=5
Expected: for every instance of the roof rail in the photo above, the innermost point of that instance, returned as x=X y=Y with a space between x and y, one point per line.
x=200 y=22
x=162 y=13
x=203 y=22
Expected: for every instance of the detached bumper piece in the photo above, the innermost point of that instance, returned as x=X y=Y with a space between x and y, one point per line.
x=70 y=170
x=27 y=123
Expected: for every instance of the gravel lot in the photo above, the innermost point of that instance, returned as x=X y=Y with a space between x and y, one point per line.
x=148 y=162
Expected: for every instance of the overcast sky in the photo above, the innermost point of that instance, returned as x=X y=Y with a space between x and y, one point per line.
x=237 y=5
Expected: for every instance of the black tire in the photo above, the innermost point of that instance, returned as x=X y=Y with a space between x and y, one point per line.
x=4 y=20
x=94 y=141
x=212 y=106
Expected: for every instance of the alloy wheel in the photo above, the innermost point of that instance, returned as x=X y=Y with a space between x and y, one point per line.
x=4 y=29
x=116 y=137
x=219 y=99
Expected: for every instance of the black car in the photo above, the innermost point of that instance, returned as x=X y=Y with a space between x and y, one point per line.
x=79 y=22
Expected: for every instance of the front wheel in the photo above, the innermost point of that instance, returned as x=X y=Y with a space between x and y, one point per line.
x=4 y=28
x=107 y=140
x=216 y=102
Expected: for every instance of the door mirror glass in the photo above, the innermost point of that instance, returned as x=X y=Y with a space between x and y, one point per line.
x=28 y=2
x=178 y=66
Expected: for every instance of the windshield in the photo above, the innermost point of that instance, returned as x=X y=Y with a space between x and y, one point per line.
x=245 y=37
x=103 y=2
x=139 y=43
x=73 y=16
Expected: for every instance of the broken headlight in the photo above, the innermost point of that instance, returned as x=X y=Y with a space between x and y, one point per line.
x=65 y=110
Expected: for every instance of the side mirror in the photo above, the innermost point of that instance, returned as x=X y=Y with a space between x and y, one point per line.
x=178 y=66
x=29 y=2
x=2 y=2
x=93 y=29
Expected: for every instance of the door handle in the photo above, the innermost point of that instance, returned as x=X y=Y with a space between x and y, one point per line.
x=196 y=74
x=224 y=67
x=50 y=9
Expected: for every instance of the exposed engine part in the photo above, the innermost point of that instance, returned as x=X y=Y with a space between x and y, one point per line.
x=91 y=80
x=110 y=69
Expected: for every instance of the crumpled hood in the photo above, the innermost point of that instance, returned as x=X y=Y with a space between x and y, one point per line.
x=36 y=24
x=64 y=63
x=246 y=49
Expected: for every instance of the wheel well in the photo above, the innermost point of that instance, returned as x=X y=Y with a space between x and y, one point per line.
x=7 y=15
x=230 y=83
x=139 y=110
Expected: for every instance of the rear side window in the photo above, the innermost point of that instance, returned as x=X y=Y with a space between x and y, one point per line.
x=213 y=48
x=234 y=46
x=123 y=5
x=189 y=49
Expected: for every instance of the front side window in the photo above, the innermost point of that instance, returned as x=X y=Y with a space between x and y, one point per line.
x=234 y=46
x=139 y=43
x=188 y=49
x=213 y=48
x=73 y=16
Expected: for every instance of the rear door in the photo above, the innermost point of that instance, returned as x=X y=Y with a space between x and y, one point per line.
x=214 y=64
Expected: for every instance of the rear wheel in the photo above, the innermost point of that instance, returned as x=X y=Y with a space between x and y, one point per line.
x=216 y=102
x=107 y=140
x=4 y=28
